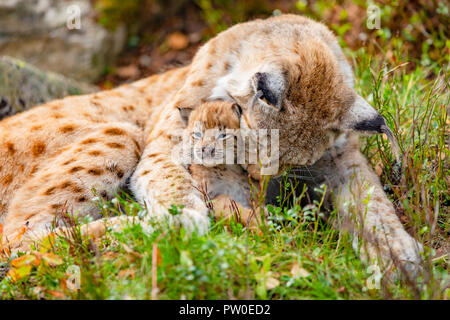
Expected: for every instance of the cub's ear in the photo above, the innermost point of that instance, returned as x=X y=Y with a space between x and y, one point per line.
x=185 y=113
x=237 y=109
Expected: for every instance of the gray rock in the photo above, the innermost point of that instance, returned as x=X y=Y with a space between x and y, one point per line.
x=45 y=33
x=23 y=86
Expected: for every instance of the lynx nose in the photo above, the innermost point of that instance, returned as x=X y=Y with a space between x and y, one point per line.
x=208 y=151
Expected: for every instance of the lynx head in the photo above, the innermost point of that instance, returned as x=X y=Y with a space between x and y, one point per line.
x=212 y=129
x=287 y=77
x=287 y=73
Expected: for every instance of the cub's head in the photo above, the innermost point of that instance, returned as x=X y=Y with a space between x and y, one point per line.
x=212 y=128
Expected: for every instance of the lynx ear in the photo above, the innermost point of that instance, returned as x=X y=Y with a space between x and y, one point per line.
x=185 y=113
x=363 y=117
x=269 y=88
x=237 y=110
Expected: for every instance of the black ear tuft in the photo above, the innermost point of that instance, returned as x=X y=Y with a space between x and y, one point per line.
x=237 y=109
x=262 y=84
x=185 y=113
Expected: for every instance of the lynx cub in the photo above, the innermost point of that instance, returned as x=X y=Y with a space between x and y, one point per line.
x=212 y=133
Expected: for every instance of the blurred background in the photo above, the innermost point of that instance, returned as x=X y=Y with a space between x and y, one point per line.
x=109 y=42
x=164 y=33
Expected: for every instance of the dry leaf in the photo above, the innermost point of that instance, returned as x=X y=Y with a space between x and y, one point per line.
x=47 y=243
x=158 y=257
x=19 y=273
x=63 y=284
x=131 y=251
x=5 y=251
x=130 y=71
x=379 y=168
x=56 y=294
x=24 y=260
x=341 y=290
x=272 y=283
x=21 y=233
x=298 y=271
x=110 y=255
x=127 y=273
x=52 y=259
x=177 y=41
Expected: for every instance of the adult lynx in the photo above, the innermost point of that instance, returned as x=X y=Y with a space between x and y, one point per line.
x=287 y=73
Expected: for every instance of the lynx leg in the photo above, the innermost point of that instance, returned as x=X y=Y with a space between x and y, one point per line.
x=100 y=160
x=160 y=182
x=95 y=230
x=366 y=211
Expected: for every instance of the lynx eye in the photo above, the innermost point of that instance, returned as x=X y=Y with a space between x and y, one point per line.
x=197 y=135
x=223 y=136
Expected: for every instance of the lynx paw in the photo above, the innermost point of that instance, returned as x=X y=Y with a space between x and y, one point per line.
x=194 y=216
x=406 y=254
x=194 y=220
x=398 y=257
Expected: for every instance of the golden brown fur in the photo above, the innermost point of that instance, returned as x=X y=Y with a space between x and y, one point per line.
x=215 y=115
x=298 y=83
x=213 y=130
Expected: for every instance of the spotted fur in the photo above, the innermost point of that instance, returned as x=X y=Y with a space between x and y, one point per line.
x=213 y=131
x=287 y=72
